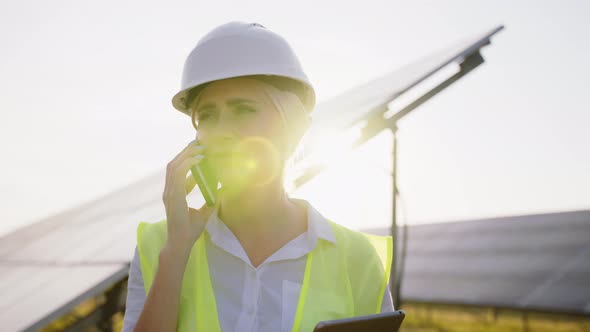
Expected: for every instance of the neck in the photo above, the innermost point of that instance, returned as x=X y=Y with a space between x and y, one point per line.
x=262 y=218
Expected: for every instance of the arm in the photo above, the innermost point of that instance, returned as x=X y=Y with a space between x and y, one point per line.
x=184 y=226
x=160 y=310
x=135 y=295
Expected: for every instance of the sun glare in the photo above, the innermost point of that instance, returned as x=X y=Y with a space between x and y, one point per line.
x=354 y=185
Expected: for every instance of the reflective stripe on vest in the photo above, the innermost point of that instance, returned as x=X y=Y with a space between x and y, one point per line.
x=341 y=280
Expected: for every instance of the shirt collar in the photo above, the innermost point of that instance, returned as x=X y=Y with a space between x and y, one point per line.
x=318 y=227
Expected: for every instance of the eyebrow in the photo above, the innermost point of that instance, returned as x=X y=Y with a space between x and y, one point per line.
x=231 y=102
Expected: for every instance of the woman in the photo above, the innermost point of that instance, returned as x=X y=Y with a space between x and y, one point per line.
x=256 y=260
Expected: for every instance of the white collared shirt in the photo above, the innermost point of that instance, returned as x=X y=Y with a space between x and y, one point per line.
x=262 y=299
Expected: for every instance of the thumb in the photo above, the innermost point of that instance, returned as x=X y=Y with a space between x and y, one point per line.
x=204 y=211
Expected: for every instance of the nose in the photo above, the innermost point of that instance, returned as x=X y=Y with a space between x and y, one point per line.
x=223 y=135
x=225 y=128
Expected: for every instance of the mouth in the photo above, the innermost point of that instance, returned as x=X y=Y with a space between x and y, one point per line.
x=223 y=154
x=227 y=158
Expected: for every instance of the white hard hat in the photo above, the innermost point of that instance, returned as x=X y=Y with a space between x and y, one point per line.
x=242 y=49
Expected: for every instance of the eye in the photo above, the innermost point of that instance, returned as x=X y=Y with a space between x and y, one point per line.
x=244 y=109
x=204 y=116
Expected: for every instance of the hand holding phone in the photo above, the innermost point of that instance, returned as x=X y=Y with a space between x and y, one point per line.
x=184 y=224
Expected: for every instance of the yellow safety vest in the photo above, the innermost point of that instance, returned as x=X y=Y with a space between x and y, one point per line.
x=344 y=279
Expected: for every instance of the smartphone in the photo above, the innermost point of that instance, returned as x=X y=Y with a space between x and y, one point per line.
x=206 y=180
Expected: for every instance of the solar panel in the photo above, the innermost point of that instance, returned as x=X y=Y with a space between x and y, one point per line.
x=364 y=101
x=47 y=292
x=49 y=267
x=351 y=119
x=539 y=262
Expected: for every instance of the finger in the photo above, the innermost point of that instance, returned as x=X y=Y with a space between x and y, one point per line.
x=176 y=175
x=190 y=150
x=186 y=165
x=204 y=210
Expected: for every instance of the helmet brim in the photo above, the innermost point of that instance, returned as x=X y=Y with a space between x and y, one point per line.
x=181 y=100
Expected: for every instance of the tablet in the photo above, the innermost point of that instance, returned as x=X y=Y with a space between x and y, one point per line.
x=383 y=322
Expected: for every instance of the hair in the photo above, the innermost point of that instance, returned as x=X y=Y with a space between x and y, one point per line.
x=279 y=82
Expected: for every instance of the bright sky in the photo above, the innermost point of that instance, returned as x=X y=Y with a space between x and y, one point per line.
x=86 y=88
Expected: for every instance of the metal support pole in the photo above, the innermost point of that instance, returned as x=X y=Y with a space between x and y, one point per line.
x=393 y=280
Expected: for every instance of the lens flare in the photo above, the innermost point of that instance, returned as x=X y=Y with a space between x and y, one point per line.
x=255 y=161
x=263 y=159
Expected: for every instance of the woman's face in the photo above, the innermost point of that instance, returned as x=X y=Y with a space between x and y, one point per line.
x=241 y=130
